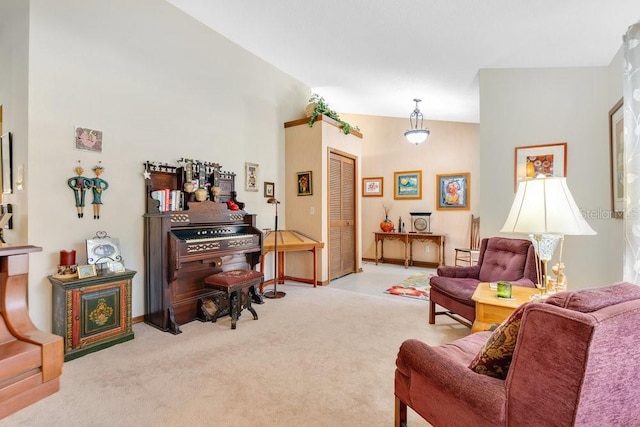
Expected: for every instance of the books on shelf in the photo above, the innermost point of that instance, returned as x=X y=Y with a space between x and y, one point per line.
x=170 y=200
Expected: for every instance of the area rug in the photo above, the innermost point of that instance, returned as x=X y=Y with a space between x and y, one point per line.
x=415 y=286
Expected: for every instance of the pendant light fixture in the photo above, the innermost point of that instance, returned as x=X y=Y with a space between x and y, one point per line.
x=416 y=135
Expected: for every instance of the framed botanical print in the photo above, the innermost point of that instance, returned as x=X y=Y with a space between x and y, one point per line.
x=616 y=144
x=269 y=189
x=407 y=185
x=305 y=187
x=453 y=191
x=372 y=187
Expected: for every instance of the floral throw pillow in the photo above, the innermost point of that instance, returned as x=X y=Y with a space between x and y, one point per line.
x=494 y=358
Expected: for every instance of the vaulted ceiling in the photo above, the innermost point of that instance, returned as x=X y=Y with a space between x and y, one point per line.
x=374 y=56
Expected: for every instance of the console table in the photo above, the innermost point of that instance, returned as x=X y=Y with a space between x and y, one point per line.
x=408 y=239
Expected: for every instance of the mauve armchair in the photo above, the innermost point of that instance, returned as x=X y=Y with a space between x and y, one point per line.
x=576 y=361
x=500 y=258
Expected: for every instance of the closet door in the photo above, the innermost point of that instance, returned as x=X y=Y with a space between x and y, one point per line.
x=342 y=212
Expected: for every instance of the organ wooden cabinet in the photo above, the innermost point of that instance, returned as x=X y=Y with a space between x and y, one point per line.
x=92 y=313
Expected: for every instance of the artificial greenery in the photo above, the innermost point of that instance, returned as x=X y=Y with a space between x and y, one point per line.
x=322 y=108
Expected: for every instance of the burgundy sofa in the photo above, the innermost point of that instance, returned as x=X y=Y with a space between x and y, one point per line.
x=576 y=362
x=500 y=258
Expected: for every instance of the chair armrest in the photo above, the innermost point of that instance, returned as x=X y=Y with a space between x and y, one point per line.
x=459 y=272
x=524 y=282
x=451 y=376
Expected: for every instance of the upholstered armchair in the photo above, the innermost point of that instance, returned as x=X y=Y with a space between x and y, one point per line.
x=574 y=361
x=500 y=258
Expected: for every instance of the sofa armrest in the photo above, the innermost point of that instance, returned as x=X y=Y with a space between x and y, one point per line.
x=451 y=376
x=459 y=272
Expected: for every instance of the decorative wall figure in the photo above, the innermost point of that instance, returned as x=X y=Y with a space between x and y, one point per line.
x=98 y=185
x=79 y=185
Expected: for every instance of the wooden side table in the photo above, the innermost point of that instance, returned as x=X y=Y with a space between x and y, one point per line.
x=491 y=310
x=92 y=313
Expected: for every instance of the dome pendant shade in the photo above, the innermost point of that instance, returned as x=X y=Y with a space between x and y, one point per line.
x=416 y=135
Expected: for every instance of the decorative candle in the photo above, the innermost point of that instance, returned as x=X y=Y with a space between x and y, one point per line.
x=68 y=257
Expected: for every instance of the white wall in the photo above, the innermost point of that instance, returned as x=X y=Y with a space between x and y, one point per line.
x=160 y=86
x=520 y=107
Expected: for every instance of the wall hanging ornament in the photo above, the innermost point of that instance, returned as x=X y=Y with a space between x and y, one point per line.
x=98 y=185
x=79 y=184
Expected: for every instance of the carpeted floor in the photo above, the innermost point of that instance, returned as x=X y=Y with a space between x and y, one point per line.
x=318 y=357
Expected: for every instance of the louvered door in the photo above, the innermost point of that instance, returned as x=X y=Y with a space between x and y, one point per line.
x=342 y=212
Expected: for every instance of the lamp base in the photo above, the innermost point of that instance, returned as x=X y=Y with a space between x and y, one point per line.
x=274 y=294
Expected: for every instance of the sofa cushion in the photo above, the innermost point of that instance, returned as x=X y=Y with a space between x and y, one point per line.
x=494 y=358
x=590 y=300
x=460 y=290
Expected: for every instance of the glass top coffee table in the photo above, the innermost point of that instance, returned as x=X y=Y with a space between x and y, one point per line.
x=491 y=310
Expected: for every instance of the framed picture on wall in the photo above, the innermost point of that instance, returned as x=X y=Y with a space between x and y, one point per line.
x=545 y=159
x=251 y=176
x=372 y=187
x=616 y=144
x=453 y=191
x=6 y=153
x=305 y=185
x=407 y=185
x=269 y=189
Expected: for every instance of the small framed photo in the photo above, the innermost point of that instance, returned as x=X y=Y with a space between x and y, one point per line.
x=88 y=270
x=616 y=144
x=116 y=267
x=5 y=152
x=251 y=176
x=88 y=139
x=372 y=187
x=407 y=185
x=269 y=189
x=546 y=159
x=304 y=183
x=453 y=191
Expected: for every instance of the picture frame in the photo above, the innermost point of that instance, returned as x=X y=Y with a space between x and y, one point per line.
x=304 y=183
x=87 y=270
x=532 y=160
x=6 y=154
x=103 y=250
x=251 y=176
x=453 y=191
x=407 y=185
x=373 y=187
x=116 y=267
x=88 y=139
x=616 y=154
x=269 y=189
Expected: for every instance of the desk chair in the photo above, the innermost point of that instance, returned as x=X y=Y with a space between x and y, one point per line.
x=469 y=256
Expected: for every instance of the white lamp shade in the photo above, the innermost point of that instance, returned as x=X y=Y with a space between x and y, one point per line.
x=417 y=136
x=545 y=205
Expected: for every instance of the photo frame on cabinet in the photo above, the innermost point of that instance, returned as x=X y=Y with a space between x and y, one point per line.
x=269 y=189
x=453 y=191
x=373 y=187
x=305 y=184
x=102 y=250
x=251 y=176
x=88 y=270
x=616 y=145
x=407 y=185
x=6 y=155
x=546 y=159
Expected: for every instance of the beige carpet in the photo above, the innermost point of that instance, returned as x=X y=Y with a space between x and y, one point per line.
x=318 y=357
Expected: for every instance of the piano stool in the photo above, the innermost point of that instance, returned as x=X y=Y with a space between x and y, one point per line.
x=236 y=283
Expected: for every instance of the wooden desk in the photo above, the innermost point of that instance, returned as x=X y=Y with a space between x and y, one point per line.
x=491 y=310
x=289 y=240
x=408 y=239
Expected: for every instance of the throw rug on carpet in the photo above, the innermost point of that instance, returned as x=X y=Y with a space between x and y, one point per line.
x=415 y=286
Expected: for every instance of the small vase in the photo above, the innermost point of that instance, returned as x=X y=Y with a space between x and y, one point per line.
x=386 y=225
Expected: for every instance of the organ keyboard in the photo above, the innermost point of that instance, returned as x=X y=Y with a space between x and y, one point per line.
x=184 y=247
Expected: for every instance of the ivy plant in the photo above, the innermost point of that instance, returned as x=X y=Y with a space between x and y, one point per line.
x=322 y=108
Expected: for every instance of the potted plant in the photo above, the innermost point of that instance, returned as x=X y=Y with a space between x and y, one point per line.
x=318 y=106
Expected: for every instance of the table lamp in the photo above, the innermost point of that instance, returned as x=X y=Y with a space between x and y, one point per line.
x=545 y=210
